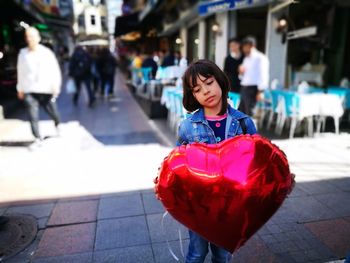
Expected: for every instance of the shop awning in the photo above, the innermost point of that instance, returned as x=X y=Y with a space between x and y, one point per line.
x=210 y=7
x=125 y=24
x=94 y=42
x=151 y=4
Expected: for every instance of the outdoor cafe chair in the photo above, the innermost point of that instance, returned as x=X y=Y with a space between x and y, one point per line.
x=234 y=99
x=273 y=109
x=263 y=107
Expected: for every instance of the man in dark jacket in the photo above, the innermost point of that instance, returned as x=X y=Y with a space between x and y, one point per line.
x=80 y=70
x=149 y=62
x=169 y=59
x=107 y=65
x=232 y=63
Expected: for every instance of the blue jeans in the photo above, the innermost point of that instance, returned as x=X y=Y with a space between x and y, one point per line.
x=198 y=250
x=347 y=260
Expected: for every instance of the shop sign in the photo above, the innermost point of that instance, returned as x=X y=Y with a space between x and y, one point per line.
x=215 y=6
x=304 y=32
x=206 y=8
x=47 y=7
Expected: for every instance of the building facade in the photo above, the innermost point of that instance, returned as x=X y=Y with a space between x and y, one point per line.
x=305 y=38
x=90 y=19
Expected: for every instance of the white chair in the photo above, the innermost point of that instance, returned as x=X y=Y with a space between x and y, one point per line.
x=333 y=106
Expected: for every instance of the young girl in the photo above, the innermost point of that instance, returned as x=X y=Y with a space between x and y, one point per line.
x=205 y=91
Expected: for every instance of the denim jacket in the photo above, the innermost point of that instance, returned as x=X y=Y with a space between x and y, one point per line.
x=196 y=128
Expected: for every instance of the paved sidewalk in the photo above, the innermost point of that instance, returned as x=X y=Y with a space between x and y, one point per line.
x=91 y=192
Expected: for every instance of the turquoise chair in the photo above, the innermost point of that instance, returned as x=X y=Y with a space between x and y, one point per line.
x=274 y=99
x=136 y=77
x=235 y=99
x=289 y=109
x=264 y=106
x=146 y=74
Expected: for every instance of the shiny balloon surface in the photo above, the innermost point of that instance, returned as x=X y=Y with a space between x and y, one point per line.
x=224 y=192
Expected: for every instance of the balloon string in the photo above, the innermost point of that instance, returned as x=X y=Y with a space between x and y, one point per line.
x=181 y=245
x=167 y=241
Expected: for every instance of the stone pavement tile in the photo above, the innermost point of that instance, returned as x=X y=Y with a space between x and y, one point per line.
x=58 y=241
x=42 y=222
x=318 y=187
x=120 y=206
x=29 y=202
x=342 y=183
x=125 y=255
x=254 y=251
x=152 y=204
x=162 y=253
x=108 y=195
x=2 y=210
x=79 y=198
x=38 y=211
x=335 y=234
x=273 y=228
x=170 y=231
x=298 y=256
x=298 y=191
x=76 y=258
x=303 y=209
x=294 y=241
x=339 y=202
x=74 y=212
x=269 y=238
x=121 y=232
x=28 y=252
x=301 y=253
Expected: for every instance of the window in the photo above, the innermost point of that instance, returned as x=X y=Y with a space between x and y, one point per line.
x=81 y=21
x=104 y=23
x=93 y=20
x=193 y=41
x=210 y=39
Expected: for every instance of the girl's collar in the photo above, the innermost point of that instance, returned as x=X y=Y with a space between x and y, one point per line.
x=216 y=118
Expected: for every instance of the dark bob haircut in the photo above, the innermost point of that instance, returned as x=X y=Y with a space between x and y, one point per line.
x=207 y=69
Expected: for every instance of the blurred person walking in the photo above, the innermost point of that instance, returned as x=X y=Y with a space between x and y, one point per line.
x=169 y=59
x=232 y=63
x=95 y=72
x=80 y=71
x=180 y=60
x=106 y=65
x=149 y=62
x=39 y=81
x=255 y=75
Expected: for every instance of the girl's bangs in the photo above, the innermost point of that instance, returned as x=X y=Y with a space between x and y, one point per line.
x=197 y=71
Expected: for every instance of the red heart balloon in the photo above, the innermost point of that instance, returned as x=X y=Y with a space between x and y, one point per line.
x=224 y=192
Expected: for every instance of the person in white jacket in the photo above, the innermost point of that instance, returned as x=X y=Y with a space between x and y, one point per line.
x=38 y=80
x=254 y=73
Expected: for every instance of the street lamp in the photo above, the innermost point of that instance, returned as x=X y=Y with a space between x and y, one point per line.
x=216 y=28
x=282 y=28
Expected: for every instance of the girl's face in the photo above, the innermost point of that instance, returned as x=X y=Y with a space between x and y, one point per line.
x=208 y=92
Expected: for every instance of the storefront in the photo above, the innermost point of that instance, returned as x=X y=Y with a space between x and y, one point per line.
x=320 y=53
